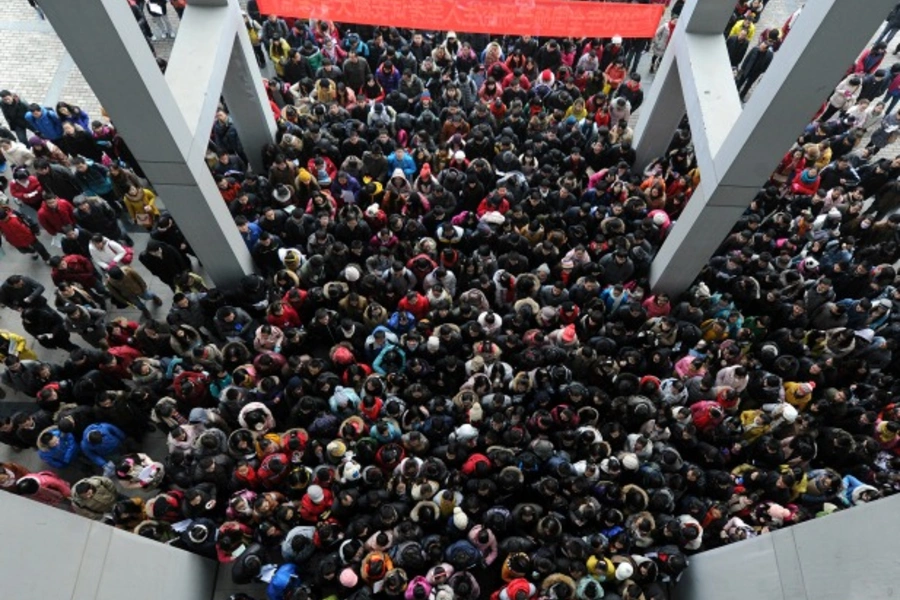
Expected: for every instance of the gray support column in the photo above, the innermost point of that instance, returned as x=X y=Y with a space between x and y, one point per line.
x=247 y=100
x=735 y=164
x=213 y=52
x=107 y=45
x=660 y=114
x=665 y=105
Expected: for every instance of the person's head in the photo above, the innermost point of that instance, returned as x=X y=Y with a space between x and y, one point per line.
x=80 y=164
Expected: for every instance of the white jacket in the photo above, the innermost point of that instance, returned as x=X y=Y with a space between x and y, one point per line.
x=111 y=252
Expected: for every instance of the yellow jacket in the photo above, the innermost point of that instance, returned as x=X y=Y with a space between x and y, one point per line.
x=140 y=202
x=14 y=344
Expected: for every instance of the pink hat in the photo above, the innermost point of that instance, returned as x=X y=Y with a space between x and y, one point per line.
x=348 y=578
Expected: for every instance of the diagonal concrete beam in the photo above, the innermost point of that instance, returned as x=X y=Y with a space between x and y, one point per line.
x=802 y=74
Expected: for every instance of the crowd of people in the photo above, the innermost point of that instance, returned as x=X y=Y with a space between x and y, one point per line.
x=450 y=379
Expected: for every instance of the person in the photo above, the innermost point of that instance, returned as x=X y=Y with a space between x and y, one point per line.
x=107 y=253
x=19 y=292
x=891 y=26
x=94 y=497
x=57 y=179
x=44 y=121
x=127 y=286
x=164 y=261
x=97 y=217
x=47 y=327
x=158 y=11
x=87 y=321
x=753 y=66
x=45 y=487
x=55 y=213
x=26 y=190
x=102 y=443
x=20 y=233
x=94 y=179
x=17 y=154
x=254 y=31
x=15 y=110
x=225 y=135
x=141 y=205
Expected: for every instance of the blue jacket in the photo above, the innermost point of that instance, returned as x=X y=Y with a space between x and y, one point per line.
x=393 y=433
x=407 y=165
x=64 y=453
x=377 y=365
x=99 y=454
x=284 y=580
x=252 y=235
x=48 y=125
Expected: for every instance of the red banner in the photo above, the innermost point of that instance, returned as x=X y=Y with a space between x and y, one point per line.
x=557 y=18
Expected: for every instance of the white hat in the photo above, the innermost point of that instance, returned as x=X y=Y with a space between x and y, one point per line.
x=617 y=39
x=630 y=461
x=466 y=432
x=350 y=471
x=460 y=519
x=372 y=210
x=659 y=218
x=459 y=155
x=315 y=494
x=624 y=571
x=789 y=413
x=351 y=273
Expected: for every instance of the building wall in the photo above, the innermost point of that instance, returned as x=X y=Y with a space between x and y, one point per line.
x=49 y=553
x=850 y=555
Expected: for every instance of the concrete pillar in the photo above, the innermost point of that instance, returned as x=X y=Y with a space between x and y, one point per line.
x=665 y=106
x=737 y=153
x=247 y=100
x=107 y=45
x=660 y=114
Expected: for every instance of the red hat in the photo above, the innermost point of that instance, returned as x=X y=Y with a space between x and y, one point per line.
x=547 y=76
x=426 y=170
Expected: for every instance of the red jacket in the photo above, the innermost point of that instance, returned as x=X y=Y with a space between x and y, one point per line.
x=16 y=231
x=30 y=193
x=419 y=310
x=798 y=186
x=199 y=395
x=267 y=477
x=248 y=480
x=53 y=220
x=700 y=413
x=468 y=467
x=310 y=511
x=125 y=355
x=53 y=490
x=289 y=318
x=79 y=269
